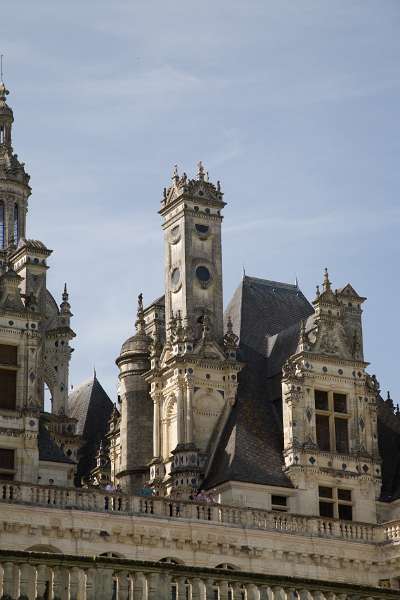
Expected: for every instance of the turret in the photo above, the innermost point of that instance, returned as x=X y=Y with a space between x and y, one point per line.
x=14 y=181
x=136 y=430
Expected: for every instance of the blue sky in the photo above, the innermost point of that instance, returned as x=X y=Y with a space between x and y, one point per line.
x=293 y=105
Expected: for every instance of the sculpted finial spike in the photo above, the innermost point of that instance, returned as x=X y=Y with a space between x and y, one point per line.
x=318 y=292
x=140 y=323
x=175 y=174
x=201 y=171
x=327 y=283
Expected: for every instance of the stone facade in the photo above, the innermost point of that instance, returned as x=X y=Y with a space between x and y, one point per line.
x=269 y=408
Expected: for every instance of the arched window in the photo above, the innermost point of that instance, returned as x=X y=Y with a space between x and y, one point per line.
x=16 y=224
x=2 y=225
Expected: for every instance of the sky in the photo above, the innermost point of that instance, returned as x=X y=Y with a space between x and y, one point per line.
x=292 y=105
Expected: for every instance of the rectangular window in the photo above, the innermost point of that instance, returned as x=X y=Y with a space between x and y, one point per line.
x=331 y=421
x=341 y=436
x=339 y=403
x=323 y=432
x=6 y=464
x=8 y=389
x=8 y=355
x=279 y=503
x=335 y=503
x=321 y=400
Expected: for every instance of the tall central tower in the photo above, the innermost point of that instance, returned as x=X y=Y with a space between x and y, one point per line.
x=193 y=378
x=193 y=259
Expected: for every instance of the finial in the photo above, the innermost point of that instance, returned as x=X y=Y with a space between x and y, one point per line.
x=244 y=272
x=318 y=292
x=140 y=323
x=175 y=174
x=218 y=186
x=388 y=396
x=297 y=282
x=94 y=372
x=201 y=171
x=327 y=283
x=65 y=306
x=1 y=68
x=231 y=340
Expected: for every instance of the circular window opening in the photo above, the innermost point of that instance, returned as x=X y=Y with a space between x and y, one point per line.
x=175 y=275
x=203 y=274
x=201 y=228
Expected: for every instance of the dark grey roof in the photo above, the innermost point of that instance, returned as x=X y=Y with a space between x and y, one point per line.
x=48 y=449
x=284 y=344
x=250 y=448
x=389 y=449
x=261 y=308
x=91 y=406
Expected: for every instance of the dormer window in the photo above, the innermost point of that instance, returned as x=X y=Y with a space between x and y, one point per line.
x=331 y=421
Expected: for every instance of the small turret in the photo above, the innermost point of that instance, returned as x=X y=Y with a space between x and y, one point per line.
x=136 y=407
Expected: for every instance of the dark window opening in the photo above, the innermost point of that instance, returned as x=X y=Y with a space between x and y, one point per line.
x=340 y=403
x=323 y=434
x=8 y=355
x=321 y=400
x=341 y=435
x=326 y=509
x=8 y=389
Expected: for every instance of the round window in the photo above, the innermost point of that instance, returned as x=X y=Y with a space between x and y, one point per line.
x=201 y=228
x=203 y=274
x=175 y=275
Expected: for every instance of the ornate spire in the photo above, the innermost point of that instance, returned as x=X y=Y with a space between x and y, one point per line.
x=175 y=174
x=327 y=283
x=65 y=307
x=201 y=172
x=231 y=340
x=140 y=322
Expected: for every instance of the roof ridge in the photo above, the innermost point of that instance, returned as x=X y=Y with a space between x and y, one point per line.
x=270 y=282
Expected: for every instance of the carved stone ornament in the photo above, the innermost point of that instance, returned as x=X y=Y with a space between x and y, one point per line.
x=328 y=343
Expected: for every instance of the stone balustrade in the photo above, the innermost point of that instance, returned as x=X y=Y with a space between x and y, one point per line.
x=118 y=502
x=42 y=576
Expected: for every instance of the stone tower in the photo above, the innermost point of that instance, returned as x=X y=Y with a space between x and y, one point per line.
x=191 y=210
x=136 y=408
x=35 y=331
x=329 y=411
x=193 y=377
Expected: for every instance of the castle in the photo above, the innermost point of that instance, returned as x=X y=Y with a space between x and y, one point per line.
x=268 y=410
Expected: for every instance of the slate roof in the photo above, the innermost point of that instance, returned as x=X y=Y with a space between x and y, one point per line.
x=91 y=406
x=250 y=448
x=48 y=449
x=389 y=449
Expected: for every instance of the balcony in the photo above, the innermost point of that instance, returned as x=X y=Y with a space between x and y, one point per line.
x=101 y=501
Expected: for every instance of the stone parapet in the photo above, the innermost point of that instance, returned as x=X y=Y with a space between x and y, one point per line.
x=32 y=575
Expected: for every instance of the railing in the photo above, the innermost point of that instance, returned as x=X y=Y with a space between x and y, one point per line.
x=120 y=503
x=33 y=575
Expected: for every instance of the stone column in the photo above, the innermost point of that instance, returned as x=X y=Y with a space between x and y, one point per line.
x=104 y=583
x=223 y=590
x=278 y=593
x=11 y=580
x=189 y=411
x=90 y=584
x=153 y=586
x=156 y=426
x=198 y=589
x=180 y=416
x=210 y=589
x=28 y=581
x=139 y=586
x=253 y=592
